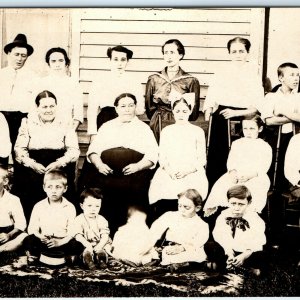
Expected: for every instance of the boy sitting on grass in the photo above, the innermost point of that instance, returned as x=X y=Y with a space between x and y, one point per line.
x=50 y=220
x=91 y=229
x=12 y=219
x=241 y=232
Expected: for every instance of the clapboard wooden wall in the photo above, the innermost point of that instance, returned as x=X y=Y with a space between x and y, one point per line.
x=204 y=33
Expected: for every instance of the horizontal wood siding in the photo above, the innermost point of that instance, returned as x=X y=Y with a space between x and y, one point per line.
x=204 y=33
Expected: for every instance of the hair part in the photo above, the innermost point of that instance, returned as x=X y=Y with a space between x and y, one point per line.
x=59 y=50
x=120 y=48
x=42 y=95
x=181 y=100
x=180 y=47
x=257 y=119
x=91 y=192
x=239 y=192
x=56 y=174
x=241 y=40
x=193 y=195
x=125 y=95
x=280 y=70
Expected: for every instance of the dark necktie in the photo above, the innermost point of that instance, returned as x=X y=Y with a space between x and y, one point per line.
x=235 y=223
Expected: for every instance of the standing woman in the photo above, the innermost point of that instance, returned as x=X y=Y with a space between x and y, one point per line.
x=171 y=82
x=64 y=87
x=106 y=89
x=234 y=93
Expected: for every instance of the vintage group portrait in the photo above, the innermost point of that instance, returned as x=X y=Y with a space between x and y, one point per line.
x=149 y=152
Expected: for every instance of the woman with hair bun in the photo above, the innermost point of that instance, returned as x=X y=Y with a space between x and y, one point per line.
x=168 y=85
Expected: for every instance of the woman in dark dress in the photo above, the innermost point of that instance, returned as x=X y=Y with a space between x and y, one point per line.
x=170 y=84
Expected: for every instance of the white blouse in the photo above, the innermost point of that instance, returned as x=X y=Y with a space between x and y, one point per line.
x=182 y=145
x=135 y=135
x=36 y=135
x=252 y=238
x=235 y=85
x=250 y=155
x=282 y=102
x=292 y=160
x=106 y=89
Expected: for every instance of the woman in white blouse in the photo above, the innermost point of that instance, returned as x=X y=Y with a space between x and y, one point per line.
x=234 y=93
x=45 y=142
x=64 y=87
x=182 y=160
x=121 y=156
x=108 y=87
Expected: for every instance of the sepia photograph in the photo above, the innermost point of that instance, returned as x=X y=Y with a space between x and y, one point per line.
x=149 y=152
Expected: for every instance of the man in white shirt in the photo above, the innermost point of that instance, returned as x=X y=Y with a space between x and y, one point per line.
x=15 y=84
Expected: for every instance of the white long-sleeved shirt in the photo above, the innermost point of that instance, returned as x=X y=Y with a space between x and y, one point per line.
x=16 y=89
x=250 y=155
x=252 y=238
x=235 y=85
x=135 y=135
x=191 y=233
x=36 y=135
x=11 y=212
x=292 y=160
x=280 y=102
x=52 y=219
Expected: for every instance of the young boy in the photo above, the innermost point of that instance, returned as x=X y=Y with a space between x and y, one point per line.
x=91 y=229
x=241 y=232
x=133 y=241
x=282 y=108
x=12 y=219
x=51 y=219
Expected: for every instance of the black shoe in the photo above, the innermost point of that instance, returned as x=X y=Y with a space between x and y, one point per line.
x=88 y=260
x=102 y=259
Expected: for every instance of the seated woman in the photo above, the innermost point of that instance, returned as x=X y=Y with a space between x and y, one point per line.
x=45 y=142
x=5 y=145
x=64 y=87
x=182 y=159
x=108 y=87
x=170 y=84
x=121 y=156
x=234 y=93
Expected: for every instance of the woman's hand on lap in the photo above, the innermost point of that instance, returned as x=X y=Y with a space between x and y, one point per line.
x=104 y=169
x=131 y=169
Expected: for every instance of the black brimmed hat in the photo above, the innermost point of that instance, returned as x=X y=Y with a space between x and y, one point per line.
x=19 y=41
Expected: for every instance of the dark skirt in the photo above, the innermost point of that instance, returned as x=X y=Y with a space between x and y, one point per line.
x=219 y=145
x=162 y=117
x=120 y=191
x=28 y=185
x=14 y=119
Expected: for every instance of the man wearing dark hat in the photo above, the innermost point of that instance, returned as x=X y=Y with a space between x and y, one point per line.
x=16 y=84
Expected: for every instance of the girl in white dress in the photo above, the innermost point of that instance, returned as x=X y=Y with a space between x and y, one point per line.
x=182 y=159
x=248 y=163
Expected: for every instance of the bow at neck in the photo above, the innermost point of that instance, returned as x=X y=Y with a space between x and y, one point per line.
x=235 y=223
